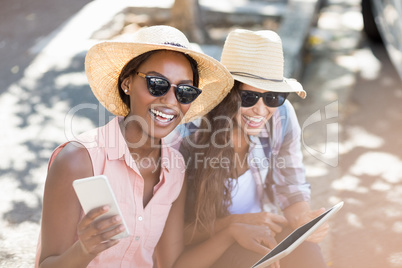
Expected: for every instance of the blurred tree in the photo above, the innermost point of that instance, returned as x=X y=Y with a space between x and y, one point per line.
x=186 y=16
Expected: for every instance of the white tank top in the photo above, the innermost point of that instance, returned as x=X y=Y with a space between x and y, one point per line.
x=244 y=195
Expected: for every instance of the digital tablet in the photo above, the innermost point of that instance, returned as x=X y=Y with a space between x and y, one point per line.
x=297 y=237
x=94 y=192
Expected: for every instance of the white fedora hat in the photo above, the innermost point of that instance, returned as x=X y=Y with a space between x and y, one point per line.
x=256 y=58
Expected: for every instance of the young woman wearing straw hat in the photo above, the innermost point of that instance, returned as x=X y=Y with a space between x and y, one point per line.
x=151 y=84
x=245 y=162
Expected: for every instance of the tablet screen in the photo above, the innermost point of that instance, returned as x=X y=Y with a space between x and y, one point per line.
x=288 y=241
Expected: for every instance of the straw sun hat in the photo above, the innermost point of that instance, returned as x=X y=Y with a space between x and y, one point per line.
x=104 y=62
x=256 y=58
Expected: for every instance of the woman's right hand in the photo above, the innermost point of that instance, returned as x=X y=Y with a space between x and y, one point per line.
x=254 y=237
x=95 y=236
x=271 y=220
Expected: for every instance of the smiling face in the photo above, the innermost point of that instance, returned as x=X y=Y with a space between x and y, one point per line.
x=253 y=119
x=158 y=116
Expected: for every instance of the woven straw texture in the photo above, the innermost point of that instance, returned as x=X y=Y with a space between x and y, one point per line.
x=104 y=62
x=258 y=53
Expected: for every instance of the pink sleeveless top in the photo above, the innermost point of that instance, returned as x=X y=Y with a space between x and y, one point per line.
x=110 y=156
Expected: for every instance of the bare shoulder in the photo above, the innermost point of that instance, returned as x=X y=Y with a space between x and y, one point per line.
x=59 y=200
x=72 y=162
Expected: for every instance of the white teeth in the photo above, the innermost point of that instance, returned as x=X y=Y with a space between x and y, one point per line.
x=254 y=119
x=158 y=113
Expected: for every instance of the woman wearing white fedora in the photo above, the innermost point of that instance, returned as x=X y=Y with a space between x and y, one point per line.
x=245 y=162
x=151 y=84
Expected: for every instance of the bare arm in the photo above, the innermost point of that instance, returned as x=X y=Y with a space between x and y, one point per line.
x=273 y=221
x=256 y=238
x=193 y=235
x=300 y=213
x=170 y=249
x=61 y=214
x=171 y=243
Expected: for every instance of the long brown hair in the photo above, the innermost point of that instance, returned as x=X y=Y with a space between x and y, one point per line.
x=209 y=185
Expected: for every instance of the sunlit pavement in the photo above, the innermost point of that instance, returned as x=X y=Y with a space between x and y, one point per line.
x=350 y=121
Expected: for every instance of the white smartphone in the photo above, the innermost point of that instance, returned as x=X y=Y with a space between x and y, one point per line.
x=94 y=192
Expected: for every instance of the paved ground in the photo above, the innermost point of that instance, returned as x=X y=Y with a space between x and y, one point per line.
x=369 y=229
x=350 y=123
x=370 y=168
x=352 y=146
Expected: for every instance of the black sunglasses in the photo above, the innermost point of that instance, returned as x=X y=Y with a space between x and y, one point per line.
x=159 y=86
x=271 y=99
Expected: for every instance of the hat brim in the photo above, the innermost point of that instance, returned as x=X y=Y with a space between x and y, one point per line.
x=287 y=85
x=104 y=62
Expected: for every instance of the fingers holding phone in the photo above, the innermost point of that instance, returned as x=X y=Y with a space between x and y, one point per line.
x=97 y=233
x=103 y=223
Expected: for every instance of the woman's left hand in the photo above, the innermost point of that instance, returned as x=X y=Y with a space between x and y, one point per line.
x=321 y=232
x=254 y=237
